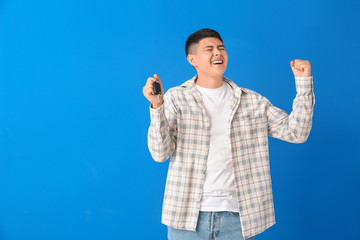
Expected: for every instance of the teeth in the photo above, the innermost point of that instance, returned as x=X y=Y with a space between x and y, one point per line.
x=217 y=62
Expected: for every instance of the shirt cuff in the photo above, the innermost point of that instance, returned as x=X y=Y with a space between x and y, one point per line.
x=155 y=114
x=304 y=84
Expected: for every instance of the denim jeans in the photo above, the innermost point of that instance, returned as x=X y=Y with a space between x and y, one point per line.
x=212 y=226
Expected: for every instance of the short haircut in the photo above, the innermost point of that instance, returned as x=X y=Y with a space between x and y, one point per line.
x=195 y=38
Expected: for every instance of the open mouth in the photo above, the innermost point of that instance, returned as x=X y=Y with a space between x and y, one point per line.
x=216 y=62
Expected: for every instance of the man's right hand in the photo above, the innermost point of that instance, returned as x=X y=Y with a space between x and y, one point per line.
x=148 y=92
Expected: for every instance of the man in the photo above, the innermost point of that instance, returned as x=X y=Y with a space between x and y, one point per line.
x=219 y=184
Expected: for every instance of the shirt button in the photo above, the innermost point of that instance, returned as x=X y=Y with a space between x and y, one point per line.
x=199 y=198
x=203 y=175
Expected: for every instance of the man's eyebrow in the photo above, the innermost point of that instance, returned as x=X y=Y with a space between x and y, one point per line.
x=211 y=46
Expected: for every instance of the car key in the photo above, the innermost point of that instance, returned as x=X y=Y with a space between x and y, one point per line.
x=157 y=90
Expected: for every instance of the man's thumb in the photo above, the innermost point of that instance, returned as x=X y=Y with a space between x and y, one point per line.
x=156 y=77
x=292 y=65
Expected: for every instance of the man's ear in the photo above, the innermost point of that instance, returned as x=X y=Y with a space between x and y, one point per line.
x=191 y=60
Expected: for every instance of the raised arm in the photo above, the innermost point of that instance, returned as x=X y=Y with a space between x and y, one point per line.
x=162 y=134
x=295 y=127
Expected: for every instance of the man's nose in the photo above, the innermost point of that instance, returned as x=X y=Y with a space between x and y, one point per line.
x=217 y=52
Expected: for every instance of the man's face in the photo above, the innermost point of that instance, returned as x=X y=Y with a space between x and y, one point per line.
x=210 y=58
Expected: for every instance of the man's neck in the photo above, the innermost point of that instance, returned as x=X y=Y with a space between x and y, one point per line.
x=209 y=81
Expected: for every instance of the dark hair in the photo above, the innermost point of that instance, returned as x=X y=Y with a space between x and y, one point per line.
x=195 y=38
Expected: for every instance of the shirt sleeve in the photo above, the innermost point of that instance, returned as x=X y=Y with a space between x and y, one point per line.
x=162 y=134
x=295 y=127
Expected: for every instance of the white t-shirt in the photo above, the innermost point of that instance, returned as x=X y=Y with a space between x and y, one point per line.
x=219 y=193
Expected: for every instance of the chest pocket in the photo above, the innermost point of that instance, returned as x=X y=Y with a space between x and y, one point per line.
x=253 y=127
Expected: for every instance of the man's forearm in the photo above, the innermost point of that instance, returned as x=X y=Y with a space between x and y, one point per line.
x=295 y=127
x=160 y=144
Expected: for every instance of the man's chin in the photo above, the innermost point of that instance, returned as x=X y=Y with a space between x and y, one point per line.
x=219 y=73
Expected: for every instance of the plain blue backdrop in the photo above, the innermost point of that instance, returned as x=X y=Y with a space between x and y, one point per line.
x=74 y=162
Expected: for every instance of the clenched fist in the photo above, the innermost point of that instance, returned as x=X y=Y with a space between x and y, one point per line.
x=148 y=91
x=301 y=68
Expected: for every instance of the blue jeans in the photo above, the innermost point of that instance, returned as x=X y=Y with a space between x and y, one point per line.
x=212 y=226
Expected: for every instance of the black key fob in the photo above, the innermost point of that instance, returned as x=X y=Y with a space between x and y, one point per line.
x=157 y=88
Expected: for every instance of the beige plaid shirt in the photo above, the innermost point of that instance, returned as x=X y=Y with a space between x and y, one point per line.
x=180 y=128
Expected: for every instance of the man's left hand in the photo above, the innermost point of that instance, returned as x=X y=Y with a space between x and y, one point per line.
x=301 y=68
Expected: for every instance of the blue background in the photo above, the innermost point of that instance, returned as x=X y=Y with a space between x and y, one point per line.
x=74 y=162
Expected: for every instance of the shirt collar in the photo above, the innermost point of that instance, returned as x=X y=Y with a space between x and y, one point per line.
x=190 y=85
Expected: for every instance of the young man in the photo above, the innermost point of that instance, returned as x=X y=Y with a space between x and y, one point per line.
x=219 y=184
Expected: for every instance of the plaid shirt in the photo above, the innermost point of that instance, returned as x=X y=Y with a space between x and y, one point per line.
x=180 y=128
